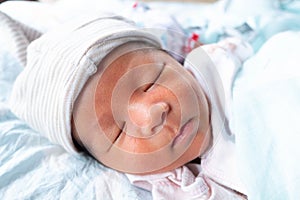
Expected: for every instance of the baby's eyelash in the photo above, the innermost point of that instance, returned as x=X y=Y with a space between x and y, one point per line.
x=150 y=85
x=120 y=132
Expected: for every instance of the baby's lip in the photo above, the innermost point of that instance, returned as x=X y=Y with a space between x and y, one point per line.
x=185 y=130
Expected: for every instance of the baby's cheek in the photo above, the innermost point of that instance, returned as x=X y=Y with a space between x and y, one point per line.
x=133 y=145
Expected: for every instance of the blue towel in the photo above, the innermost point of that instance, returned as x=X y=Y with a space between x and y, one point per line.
x=266 y=120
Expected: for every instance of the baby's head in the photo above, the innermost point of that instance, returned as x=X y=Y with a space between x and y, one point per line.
x=109 y=88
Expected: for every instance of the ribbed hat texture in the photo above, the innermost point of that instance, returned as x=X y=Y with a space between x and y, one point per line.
x=58 y=65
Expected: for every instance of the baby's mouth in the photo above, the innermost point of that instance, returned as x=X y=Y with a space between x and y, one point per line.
x=184 y=132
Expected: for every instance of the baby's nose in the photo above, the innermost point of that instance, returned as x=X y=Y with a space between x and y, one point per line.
x=147 y=119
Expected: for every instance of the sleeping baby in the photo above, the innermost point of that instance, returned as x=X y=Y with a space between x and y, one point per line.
x=102 y=86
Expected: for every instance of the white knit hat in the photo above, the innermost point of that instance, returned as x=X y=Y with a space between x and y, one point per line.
x=58 y=65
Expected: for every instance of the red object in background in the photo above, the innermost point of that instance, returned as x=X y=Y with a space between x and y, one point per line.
x=192 y=42
x=135 y=4
x=195 y=37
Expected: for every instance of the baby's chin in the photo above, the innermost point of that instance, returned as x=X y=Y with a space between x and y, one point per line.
x=147 y=167
x=199 y=146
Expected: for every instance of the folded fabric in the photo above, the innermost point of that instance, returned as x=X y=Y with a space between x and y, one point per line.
x=186 y=182
x=266 y=118
x=17 y=35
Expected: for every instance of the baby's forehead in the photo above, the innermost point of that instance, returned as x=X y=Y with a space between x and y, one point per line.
x=135 y=54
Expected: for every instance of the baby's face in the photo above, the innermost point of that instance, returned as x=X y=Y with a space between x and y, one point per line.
x=142 y=112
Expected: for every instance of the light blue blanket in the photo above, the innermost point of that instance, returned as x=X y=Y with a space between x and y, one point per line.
x=267 y=119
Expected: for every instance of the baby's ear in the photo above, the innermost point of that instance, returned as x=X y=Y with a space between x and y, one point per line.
x=16 y=36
